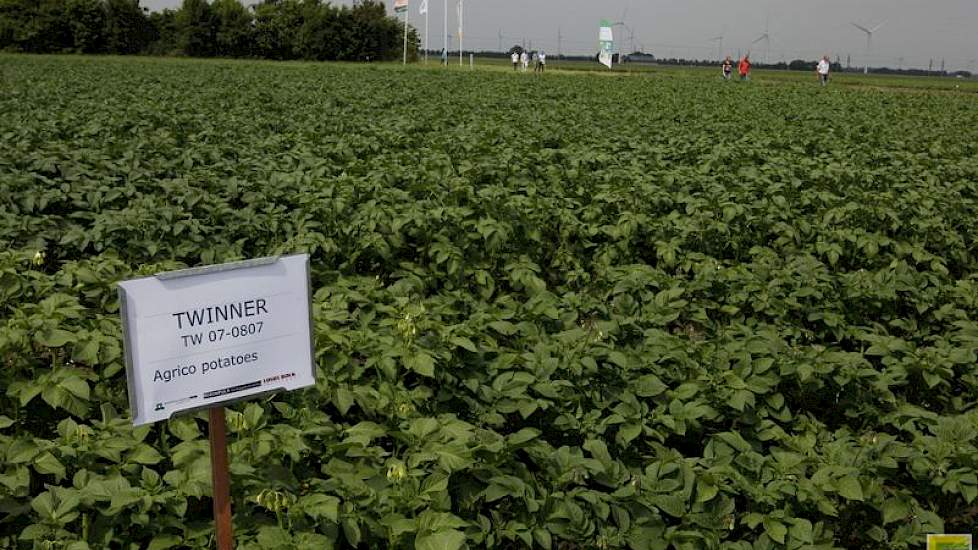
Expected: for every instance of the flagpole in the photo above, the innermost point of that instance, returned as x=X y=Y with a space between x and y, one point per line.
x=461 y=8
x=407 y=13
x=444 y=35
x=425 y=32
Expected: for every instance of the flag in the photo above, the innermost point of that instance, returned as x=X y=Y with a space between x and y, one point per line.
x=424 y=7
x=606 y=39
x=400 y=6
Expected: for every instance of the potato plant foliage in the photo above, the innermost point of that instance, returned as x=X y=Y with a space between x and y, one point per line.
x=569 y=312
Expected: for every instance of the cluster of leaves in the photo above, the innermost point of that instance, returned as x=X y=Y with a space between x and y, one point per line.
x=89 y=26
x=612 y=320
x=277 y=29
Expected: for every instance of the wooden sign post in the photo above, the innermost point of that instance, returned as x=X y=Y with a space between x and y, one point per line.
x=221 y=477
x=205 y=337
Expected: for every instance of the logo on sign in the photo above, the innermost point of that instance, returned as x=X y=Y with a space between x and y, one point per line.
x=949 y=542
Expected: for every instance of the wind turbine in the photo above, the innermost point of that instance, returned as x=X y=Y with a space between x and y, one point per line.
x=631 y=33
x=869 y=40
x=766 y=38
x=719 y=41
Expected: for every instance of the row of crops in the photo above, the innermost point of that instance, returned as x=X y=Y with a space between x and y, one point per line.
x=570 y=312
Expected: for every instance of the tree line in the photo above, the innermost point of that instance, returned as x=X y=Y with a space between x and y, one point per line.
x=270 y=29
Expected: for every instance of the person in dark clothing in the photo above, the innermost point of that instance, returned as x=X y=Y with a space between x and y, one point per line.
x=727 y=68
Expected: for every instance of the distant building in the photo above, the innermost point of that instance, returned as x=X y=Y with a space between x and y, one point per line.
x=639 y=57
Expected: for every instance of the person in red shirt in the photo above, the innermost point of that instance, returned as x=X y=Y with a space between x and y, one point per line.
x=744 y=68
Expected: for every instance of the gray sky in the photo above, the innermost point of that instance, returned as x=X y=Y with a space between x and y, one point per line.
x=915 y=30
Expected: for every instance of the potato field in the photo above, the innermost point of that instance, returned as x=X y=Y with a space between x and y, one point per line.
x=565 y=312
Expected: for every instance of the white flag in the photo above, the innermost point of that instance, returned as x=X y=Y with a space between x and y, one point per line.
x=606 y=40
x=424 y=7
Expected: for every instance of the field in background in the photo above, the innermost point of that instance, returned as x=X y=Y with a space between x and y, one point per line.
x=568 y=312
x=760 y=76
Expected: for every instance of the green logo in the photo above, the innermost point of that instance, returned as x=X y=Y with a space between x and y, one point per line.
x=949 y=542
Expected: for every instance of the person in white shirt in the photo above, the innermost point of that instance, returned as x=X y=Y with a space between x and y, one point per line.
x=823 y=70
x=542 y=58
x=525 y=60
x=516 y=60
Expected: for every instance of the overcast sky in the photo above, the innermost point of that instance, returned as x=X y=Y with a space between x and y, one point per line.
x=915 y=30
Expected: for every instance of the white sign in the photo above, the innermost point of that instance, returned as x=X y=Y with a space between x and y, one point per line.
x=606 y=39
x=201 y=337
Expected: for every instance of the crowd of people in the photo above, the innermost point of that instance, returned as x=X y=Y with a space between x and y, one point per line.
x=743 y=68
x=822 y=69
x=522 y=59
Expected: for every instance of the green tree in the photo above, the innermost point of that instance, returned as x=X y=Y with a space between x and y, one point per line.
x=37 y=26
x=276 y=23
x=127 y=28
x=165 y=32
x=86 y=19
x=802 y=65
x=234 y=29
x=321 y=34
x=375 y=36
x=198 y=25
x=279 y=29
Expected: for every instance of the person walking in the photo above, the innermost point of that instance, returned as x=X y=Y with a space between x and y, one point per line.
x=744 y=68
x=516 y=60
x=525 y=60
x=542 y=58
x=823 y=69
x=727 y=68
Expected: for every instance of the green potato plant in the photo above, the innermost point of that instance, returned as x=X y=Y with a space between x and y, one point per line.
x=568 y=313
